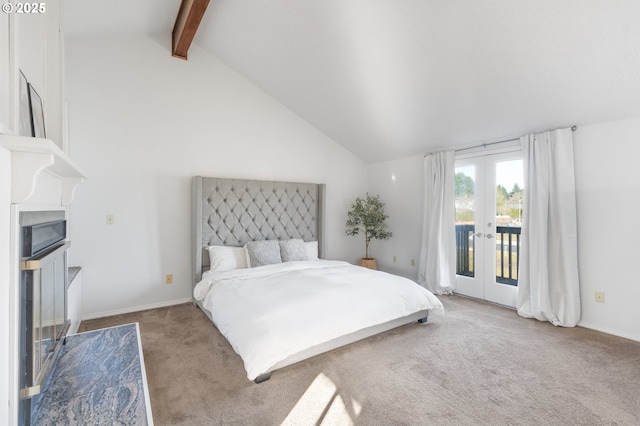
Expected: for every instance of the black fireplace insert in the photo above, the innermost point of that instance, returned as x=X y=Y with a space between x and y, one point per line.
x=43 y=303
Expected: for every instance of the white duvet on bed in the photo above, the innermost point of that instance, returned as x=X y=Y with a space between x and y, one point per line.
x=271 y=312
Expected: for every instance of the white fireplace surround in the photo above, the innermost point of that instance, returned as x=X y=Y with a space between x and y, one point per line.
x=32 y=156
x=41 y=177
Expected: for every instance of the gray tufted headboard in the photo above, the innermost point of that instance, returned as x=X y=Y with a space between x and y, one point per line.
x=232 y=212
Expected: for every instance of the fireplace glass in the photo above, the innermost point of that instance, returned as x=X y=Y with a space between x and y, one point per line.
x=43 y=306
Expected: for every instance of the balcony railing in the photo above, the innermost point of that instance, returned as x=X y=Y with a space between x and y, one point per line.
x=507 y=252
x=465 y=244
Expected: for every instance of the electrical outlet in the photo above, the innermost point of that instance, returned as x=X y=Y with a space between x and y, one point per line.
x=110 y=219
x=168 y=279
x=599 y=296
x=413 y=262
x=395 y=259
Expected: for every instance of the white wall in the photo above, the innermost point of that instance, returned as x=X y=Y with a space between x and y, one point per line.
x=608 y=200
x=141 y=124
x=5 y=223
x=4 y=73
x=400 y=186
x=5 y=279
x=608 y=206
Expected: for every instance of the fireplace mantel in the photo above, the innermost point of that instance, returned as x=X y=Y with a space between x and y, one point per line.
x=32 y=156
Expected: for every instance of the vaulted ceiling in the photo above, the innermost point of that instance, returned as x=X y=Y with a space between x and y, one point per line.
x=389 y=79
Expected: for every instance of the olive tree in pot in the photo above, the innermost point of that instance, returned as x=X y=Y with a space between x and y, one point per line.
x=367 y=215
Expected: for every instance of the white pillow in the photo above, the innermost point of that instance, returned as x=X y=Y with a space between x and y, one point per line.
x=293 y=250
x=264 y=252
x=226 y=258
x=312 y=249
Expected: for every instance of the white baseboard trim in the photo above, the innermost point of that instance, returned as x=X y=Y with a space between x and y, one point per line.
x=131 y=309
x=609 y=331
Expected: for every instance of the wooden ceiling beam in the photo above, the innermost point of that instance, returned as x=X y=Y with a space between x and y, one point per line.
x=187 y=22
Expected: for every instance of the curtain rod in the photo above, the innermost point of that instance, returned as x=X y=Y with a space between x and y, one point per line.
x=484 y=145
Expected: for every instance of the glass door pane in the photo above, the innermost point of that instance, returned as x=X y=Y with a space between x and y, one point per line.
x=505 y=188
x=470 y=263
x=509 y=192
x=465 y=195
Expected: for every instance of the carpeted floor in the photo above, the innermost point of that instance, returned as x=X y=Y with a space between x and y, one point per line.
x=479 y=365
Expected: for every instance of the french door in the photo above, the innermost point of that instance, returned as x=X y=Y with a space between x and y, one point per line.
x=488 y=201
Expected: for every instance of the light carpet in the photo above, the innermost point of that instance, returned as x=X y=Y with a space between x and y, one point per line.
x=480 y=364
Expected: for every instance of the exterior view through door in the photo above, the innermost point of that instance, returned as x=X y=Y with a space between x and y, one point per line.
x=488 y=205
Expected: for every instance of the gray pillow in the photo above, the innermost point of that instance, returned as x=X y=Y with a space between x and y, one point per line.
x=262 y=253
x=293 y=250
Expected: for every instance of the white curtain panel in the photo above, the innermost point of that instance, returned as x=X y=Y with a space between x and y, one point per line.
x=437 y=266
x=548 y=284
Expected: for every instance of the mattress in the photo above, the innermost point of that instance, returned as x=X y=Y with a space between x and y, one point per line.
x=271 y=313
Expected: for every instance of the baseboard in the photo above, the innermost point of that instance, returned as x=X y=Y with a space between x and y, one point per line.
x=607 y=330
x=135 y=309
x=584 y=324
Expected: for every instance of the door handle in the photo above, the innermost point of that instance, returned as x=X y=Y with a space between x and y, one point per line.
x=479 y=235
x=489 y=236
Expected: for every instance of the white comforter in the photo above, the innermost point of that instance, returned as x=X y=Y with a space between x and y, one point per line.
x=271 y=312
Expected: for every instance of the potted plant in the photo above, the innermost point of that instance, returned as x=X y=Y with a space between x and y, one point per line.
x=367 y=215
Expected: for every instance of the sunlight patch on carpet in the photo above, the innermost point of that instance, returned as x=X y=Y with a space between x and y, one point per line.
x=321 y=404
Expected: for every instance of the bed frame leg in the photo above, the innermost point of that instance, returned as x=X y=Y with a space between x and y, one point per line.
x=262 y=378
x=423 y=320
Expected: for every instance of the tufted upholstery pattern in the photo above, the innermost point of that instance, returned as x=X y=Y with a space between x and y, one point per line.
x=232 y=212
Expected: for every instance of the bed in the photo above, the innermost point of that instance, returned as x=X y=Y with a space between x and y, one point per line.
x=260 y=276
